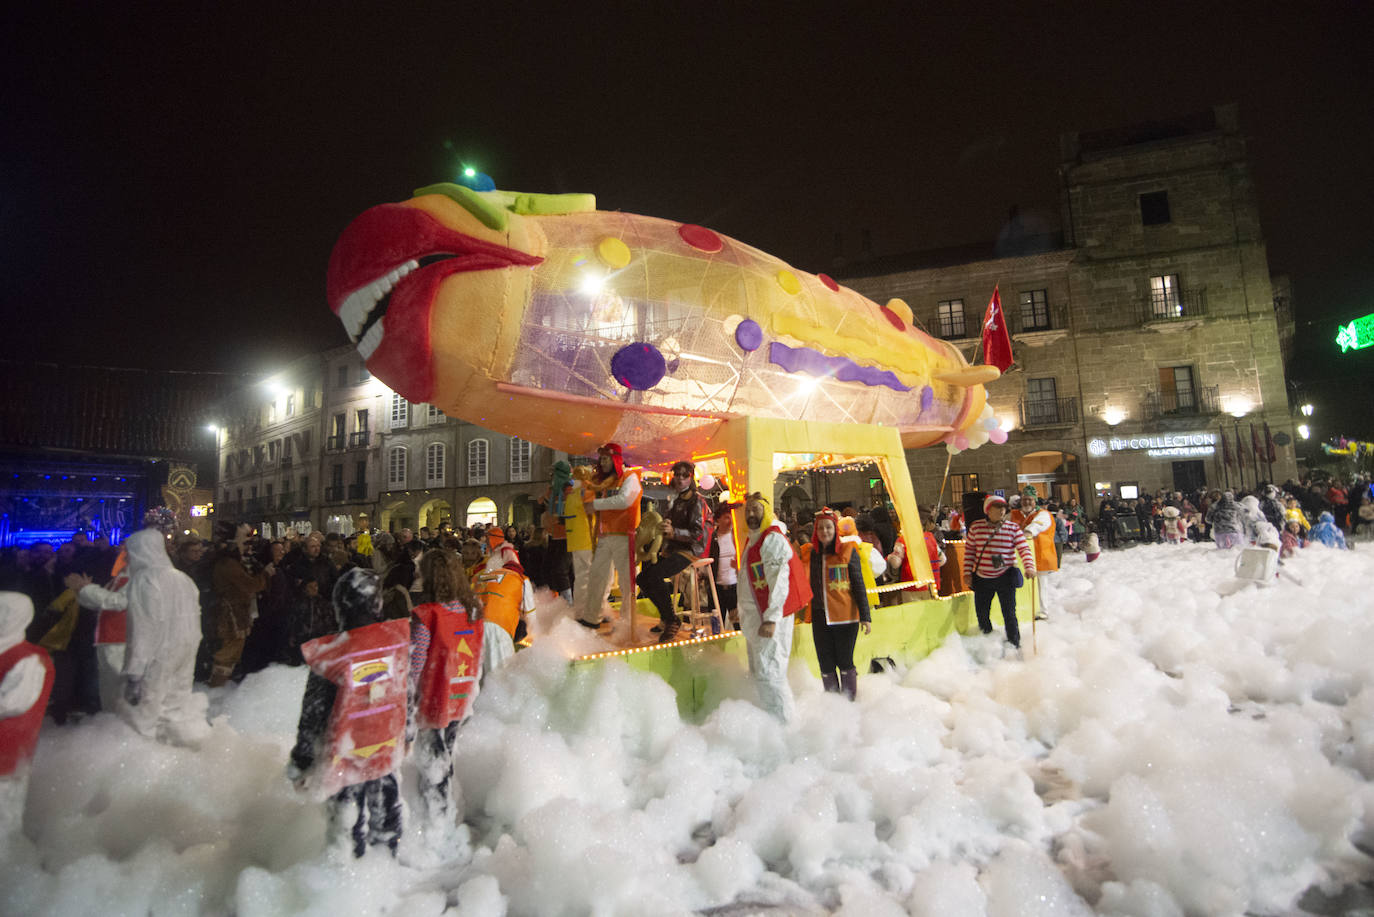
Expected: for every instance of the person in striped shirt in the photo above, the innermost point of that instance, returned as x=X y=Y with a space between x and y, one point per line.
x=989 y=566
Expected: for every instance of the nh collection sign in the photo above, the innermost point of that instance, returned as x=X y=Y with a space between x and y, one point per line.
x=1164 y=445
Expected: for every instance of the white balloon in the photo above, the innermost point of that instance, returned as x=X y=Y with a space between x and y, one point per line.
x=707 y=482
x=952 y=449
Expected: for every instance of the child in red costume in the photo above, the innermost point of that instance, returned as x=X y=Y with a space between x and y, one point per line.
x=353 y=717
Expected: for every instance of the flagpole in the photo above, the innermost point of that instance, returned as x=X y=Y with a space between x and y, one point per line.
x=1240 y=456
x=939 y=501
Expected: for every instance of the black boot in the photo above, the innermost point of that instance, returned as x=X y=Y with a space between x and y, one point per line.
x=670 y=629
x=849 y=681
x=830 y=682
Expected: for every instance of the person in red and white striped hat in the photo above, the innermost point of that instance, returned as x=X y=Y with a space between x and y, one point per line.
x=989 y=565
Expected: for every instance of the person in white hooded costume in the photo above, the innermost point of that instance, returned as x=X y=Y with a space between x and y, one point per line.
x=767 y=630
x=164 y=632
x=26 y=677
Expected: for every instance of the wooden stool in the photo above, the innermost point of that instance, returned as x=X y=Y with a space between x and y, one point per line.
x=700 y=622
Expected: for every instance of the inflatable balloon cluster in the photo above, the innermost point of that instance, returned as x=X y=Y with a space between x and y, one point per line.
x=985 y=429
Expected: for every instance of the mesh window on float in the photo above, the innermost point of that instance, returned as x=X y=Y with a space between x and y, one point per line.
x=951 y=316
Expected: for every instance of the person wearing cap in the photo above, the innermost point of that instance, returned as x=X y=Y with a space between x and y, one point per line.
x=725 y=566
x=684 y=541
x=612 y=493
x=1039 y=528
x=989 y=566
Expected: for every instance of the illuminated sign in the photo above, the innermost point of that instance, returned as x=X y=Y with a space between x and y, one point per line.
x=202 y=509
x=1161 y=446
x=1357 y=335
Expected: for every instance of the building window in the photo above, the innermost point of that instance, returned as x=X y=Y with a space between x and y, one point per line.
x=1177 y=391
x=343 y=377
x=434 y=465
x=1042 y=403
x=519 y=459
x=396 y=467
x=305 y=491
x=1035 y=310
x=363 y=374
x=360 y=420
x=400 y=411
x=291 y=405
x=1164 y=296
x=961 y=484
x=1154 y=208
x=951 y=315
x=477 y=461
x=433 y=414
x=273 y=448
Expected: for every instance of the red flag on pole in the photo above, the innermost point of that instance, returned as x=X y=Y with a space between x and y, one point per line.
x=1256 y=449
x=1225 y=449
x=996 y=339
x=1270 y=453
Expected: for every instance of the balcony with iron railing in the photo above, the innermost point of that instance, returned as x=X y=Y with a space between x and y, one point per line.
x=1026 y=320
x=335 y=442
x=284 y=501
x=1173 y=306
x=1185 y=402
x=1048 y=412
x=334 y=493
x=255 y=507
x=357 y=491
x=360 y=438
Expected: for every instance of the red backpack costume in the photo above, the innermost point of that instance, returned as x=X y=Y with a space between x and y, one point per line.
x=451 y=665
x=798 y=579
x=19 y=733
x=369 y=666
x=112 y=625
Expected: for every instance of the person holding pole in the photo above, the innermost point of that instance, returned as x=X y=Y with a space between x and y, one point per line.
x=613 y=494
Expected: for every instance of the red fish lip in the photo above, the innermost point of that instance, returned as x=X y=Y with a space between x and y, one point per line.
x=384 y=237
x=382 y=295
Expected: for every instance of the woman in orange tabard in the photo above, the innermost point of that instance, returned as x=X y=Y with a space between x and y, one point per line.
x=839 y=604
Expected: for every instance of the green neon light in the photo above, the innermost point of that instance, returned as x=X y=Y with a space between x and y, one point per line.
x=1357 y=335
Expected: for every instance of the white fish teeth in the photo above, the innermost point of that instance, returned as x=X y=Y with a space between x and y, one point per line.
x=357 y=306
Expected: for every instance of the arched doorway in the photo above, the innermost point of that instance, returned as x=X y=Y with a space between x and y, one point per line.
x=389 y=514
x=1054 y=475
x=435 y=511
x=482 y=510
x=795 y=503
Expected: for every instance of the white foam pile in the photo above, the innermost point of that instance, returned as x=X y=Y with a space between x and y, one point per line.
x=1175 y=747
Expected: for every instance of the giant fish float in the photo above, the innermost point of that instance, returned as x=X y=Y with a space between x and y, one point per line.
x=539 y=316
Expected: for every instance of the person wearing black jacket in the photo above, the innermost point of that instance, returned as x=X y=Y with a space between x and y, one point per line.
x=839 y=604
x=684 y=540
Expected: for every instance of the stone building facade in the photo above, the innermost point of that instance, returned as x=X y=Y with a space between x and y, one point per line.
x=323 y=443
x=1143 y=337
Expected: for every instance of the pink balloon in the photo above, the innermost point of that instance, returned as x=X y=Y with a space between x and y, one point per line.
x=960 y=441
x=998 y=436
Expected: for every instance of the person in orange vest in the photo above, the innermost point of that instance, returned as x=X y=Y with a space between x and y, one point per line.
x=505 y=596
x=839 y=604
x=353 y=717
x=26 y=676
x=452 y=649
x=612 y=493
x=1039 y=529
x=776 y=587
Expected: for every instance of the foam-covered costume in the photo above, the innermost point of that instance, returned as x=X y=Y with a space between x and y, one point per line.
x=26 y=676
x=353 y=717
x=1227 y=521
x=163 y=635
x=111 y=629
x=775 y=587
x=450 y=656
x=1326 y=532
x=613 y=494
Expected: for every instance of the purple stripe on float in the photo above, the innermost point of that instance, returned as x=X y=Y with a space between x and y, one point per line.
x=804 y=359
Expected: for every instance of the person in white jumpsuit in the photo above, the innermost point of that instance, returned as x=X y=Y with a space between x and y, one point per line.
x=767 y=631
x=164 y=633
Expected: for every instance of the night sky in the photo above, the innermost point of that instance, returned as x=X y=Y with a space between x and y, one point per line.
x=174 y=176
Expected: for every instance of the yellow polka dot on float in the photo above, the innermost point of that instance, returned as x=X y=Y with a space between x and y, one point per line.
x=789 y=282
x=614 y=253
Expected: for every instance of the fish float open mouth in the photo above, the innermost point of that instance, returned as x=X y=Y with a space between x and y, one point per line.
x=388 y=264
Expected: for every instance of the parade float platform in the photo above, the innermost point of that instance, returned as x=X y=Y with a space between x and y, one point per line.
x=694 y=666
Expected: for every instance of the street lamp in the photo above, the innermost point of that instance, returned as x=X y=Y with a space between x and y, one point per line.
x=1306 y=410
